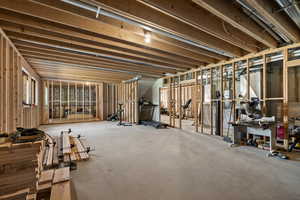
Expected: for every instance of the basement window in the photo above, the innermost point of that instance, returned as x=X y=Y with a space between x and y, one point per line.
x=26 y=88
x=33 y=92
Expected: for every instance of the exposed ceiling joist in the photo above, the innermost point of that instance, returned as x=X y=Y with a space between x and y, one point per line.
x=278 y=19
x=146 y=15
x=96 y=27
x=193 y=15
x=234 y=16
x=175 y=53
x=104 y=67
x=95 y=60
x=98 y=52
x=71 y=43
x=52 y=59
x=41 y=48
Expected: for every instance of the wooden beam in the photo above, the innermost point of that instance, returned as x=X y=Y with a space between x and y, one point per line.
x=75 y=77
x=139 y=31
x=80 y=71
x=193 y=15
x=233 y=15
x=278 y=19
x=69 y=44
x=177 y=49
x=82 y=42
x=63 y=63
x=90 y=26
x=23 y=22
x=88 y=58
x=29 y=53
x=139 y=12
x=38 y=47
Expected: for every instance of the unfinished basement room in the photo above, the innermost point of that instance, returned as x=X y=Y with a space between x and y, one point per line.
x=149 y=99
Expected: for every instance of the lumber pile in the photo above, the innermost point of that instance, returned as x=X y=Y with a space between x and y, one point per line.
x=73 y=148
x=50 y=158
x=40 y=169
x=55 y=183
x=61 y=191
x=19 y=169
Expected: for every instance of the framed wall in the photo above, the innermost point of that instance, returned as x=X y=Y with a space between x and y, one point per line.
x=271 y=75
x=69 y=101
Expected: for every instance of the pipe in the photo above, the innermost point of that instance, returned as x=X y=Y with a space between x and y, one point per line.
x=292 y=9
x=270 y=27
x=134 y=22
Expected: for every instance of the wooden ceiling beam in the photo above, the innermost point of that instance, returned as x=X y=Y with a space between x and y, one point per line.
x=133 y=9
x=82 y=42
x=52 y=43
x=233 y=15
x=88 y=65
x=278 y=19
x=83 y=64
x=94 y=59
x=51 y=75
x=179 y=45
x=92 y=73
x=64 y=64
x=193 y=15
x=64 y=31
x=49 y=71
x=40 y=48
x=16 y=33
x=29 y=53
x=99 y=29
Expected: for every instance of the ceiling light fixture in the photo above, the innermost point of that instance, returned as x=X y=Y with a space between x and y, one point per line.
x=104 y=12
x=147 y=37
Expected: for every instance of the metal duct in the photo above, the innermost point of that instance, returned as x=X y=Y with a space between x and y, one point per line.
x=291 y=7
x=101 y=11
x=269 y=27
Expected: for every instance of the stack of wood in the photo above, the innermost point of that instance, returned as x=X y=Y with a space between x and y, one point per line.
x=50 y=158
x=19 y=170
x=55 y=183
x=37 y=170
x=73 y=148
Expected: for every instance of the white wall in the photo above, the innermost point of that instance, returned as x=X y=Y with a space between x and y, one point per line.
x=155 y=97
x=149 y=88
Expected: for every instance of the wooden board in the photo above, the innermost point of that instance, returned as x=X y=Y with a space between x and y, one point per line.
x=46 y=176
x=15 y=195
x=83 y=155
x=55 y=152
x=61 y=191
x=66 y=143
x=19 y=167
x=44 y=186
x=31 y=197
x=61 y=174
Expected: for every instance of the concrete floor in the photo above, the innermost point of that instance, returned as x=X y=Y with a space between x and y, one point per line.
x=142 y=163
